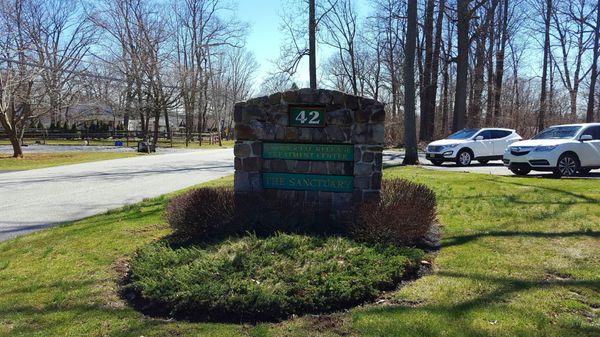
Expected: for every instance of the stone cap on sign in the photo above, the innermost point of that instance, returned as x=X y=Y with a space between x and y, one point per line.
x=347 y=119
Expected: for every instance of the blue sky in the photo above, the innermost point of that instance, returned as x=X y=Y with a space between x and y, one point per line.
x=265 y=38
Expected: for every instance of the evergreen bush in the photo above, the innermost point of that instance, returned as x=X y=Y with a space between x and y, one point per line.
x=264 y=279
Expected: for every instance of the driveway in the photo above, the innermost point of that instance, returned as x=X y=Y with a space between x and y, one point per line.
x=36 y=199
x=493 y=167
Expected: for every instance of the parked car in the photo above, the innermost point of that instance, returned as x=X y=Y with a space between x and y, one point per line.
x=564 y=150
x=462 y=147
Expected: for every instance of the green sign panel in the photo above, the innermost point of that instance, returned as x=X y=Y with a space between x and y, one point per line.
x=308 y=182
x=293 y=151
x=307 y=116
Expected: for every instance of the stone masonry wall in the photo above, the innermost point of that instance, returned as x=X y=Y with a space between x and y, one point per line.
x=348 y=120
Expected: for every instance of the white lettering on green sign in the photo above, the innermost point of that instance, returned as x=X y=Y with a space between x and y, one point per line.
x=307 y=116
x=308 y=182
x=294 y=151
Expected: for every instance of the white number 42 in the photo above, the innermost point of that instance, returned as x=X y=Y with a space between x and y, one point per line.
x=312 y=118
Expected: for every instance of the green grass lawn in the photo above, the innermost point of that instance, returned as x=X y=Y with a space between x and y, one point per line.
x=41 y=160
x=519 y=257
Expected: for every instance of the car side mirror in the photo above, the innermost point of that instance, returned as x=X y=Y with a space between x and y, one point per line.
x=479 y=138
x=586 y=138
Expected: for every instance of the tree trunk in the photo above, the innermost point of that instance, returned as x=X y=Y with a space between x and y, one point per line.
x=543 y=105
x=445 y=94
x=16 y=144
x=573 y=104
x=500 y=62
x=489 y=111
x=13 y=136
x=462 y=59
x=474 y=116
x=156 y=125
x=446 y=83
x=426 y=107
x=410 y=132
x=312 y=56
x=589 y=116
x=128 y=103
x=516 y=97
x=435 y=66
x=395 y=94
x=166 y=114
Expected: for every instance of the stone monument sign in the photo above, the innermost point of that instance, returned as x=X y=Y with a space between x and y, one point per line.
x=320 y=148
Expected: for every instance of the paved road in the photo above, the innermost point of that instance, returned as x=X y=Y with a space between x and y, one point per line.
x=36 y=199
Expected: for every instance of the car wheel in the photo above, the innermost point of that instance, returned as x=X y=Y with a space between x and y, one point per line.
x=437 y=162
x=520 y=171
x=463 y=158
x=483 y=162
x=583 y=171
x=568 y=165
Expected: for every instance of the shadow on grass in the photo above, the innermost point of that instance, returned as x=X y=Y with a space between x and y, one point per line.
x=513 y=181
x=99 y=320
x=61 y=286
x=506 y=288
x=463 y=239
x=82 y=312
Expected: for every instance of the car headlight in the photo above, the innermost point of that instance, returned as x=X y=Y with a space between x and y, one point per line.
x=449 y=146
x=545 y=148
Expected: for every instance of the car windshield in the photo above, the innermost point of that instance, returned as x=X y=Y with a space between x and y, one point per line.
x=558 y=132
x=463 y=134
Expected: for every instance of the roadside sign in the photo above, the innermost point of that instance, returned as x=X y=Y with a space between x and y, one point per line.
x=307 y=116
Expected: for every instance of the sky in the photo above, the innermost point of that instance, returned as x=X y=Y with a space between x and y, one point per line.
x=265 y=37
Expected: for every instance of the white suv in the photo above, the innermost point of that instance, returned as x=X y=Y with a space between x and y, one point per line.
x=564 y=150
x=466 y=145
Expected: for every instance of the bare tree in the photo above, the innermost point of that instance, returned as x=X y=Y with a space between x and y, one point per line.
x=482 y=34
x=389 y=21
x=231 y=82
x=340 y=33
x=276 y=82
x=18 y=73
x=61 y=38
x=500 y=54
x=200 y=28
x=430 y=76
x=569 y=22
x=301 y=38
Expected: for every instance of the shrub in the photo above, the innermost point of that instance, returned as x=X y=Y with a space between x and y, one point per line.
x=251 y=278
x=268 y=216
x=202 y=213
x=405 y=215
